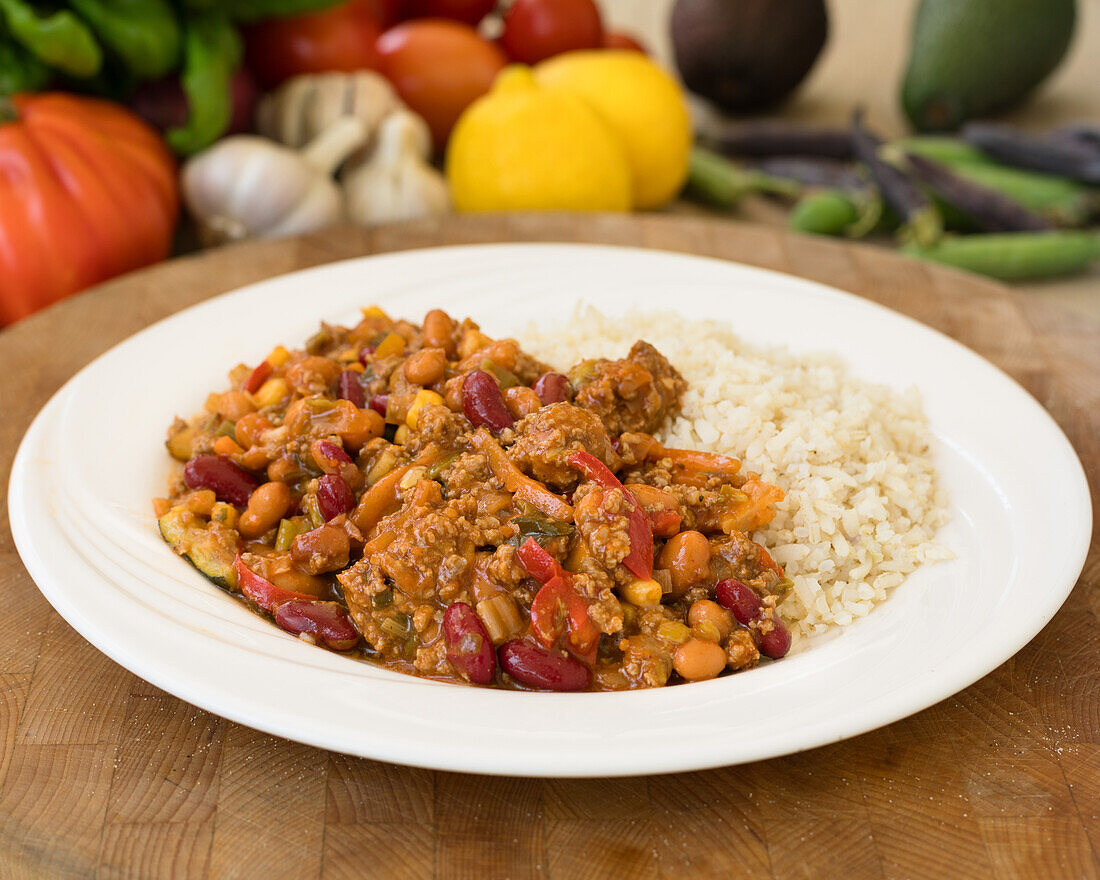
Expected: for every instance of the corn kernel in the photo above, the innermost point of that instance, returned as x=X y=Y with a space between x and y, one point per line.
x=374 y=312
x=391 y=346
x=642 y=593
x=226 y=514
x=423 y=398
x=356 y=367
x=348 y=356
x=401 y=435
x=279 y=356
x=708 y=631
x=271 y=392
x=674 y=631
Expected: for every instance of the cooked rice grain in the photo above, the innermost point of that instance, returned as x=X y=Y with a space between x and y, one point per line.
x=854 y=458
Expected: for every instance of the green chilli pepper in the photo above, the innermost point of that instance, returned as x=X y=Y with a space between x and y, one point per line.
x=58 y=39
x=1015 y=256
x=20 y=71
x=144 y=34
x=211 y=53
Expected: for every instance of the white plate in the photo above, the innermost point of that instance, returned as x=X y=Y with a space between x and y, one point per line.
x=86 y=471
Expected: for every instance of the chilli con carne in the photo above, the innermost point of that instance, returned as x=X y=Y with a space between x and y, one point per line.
x=444 y=504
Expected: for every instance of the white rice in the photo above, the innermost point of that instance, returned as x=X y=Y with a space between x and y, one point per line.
x=862 y=502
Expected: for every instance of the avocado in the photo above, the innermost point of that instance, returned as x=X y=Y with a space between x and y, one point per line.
x=973 y=58
x=746 y=55
x=211 y=548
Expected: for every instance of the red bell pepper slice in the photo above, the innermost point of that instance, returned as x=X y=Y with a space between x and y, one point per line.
x=595 y=470
x=558 y=604
x=257 y=378
x=261 y=591
x=639 y=526
x=539 y=564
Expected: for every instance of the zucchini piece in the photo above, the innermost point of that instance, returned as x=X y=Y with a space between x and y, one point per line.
x=211 y=548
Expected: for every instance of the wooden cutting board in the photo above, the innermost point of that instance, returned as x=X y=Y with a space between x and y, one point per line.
x=104 y=775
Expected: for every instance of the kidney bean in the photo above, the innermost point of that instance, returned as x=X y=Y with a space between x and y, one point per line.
x=483 y=403
x=350 y=388
x=739 y=598
x=379 y=402
x=219 y=473
x=469 y=648
x=551 y=388
x=775 y=643
x=329 y=456
x=334 y=496
x=365 y=352
x=749 y=610
x=327 y=622
x=537 y=667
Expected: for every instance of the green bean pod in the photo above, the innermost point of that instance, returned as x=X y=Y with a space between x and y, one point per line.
x=838 y=212
x=825 y=212
x=717 y=181
x=1062 y=201
x=940 y=148
x=1015 y=256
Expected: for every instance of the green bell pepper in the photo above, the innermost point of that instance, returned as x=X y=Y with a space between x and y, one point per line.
x=211 y=54
x=144 y=34
x=58 y=39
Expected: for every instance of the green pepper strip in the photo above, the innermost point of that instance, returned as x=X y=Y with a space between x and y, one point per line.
x=59 y=39
x=145 y=34
x=289 y=529
x=254 y=10
x=211 y=53
x=20 y=71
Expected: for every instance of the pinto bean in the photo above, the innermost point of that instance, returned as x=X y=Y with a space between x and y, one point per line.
x=426 y=366
x=324 y=549
x=266 y=506
x=686 y=556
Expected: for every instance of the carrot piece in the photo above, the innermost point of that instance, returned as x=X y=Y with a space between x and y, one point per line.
x=227 y=446
x=381 y=498
x=517 y=482
x=756 y=510
x=693 y=460
x=378 y=543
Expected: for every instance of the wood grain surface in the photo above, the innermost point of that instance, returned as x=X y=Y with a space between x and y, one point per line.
x=103 y=775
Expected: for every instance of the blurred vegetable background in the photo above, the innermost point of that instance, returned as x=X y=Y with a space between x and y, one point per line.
x=835 y=117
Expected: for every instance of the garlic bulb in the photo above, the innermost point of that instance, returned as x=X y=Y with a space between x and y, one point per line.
x=396 y=182
x=304 y=106
x=250 y=187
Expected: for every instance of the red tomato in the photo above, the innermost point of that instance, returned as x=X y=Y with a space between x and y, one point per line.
x=469 y=11
x=342 y=37
x=620 y=40
x=537 y=29
x=439 y=68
